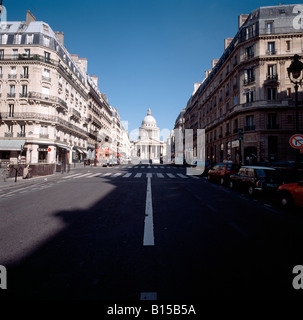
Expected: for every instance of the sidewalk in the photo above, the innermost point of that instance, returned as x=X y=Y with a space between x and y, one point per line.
x=20 y=181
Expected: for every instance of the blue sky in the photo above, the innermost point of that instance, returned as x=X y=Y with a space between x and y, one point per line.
x=146 y=53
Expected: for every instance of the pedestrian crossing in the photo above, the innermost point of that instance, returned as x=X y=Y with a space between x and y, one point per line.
x=135 y=175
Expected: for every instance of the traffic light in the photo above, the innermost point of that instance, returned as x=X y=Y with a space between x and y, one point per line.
x=240 y=134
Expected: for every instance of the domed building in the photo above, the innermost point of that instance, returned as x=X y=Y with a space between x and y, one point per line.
x=149 y=147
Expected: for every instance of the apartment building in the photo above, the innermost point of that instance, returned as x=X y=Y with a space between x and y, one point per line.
x=248 y=89
x=51 y=111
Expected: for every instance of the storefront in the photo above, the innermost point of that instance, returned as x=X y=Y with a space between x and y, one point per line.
x=10 y=150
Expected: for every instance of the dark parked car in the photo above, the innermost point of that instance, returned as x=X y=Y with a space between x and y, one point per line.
x=291 y=194
x=222 y=171
x=255 y=178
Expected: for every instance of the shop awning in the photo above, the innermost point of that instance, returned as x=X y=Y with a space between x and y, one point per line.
x=11 y=145
x=62 y=146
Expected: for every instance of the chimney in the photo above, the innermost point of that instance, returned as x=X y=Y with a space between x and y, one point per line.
x=214 y=62
x=29 y=17
x=227 y=42
x=241 y=19
x=94 y=79
x=83 y=64
x=60 y=37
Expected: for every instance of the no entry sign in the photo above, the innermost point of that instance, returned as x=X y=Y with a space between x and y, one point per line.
x=296 y=141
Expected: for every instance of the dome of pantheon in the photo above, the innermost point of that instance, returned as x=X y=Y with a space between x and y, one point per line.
x=149 y=121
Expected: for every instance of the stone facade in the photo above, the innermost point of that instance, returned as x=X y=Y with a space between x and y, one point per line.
x=51 y=110
x=248 y=88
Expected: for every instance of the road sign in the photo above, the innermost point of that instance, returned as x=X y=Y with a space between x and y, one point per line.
x=296 y=141
x=49 y=149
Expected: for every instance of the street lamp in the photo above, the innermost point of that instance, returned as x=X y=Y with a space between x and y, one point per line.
x=295 y=76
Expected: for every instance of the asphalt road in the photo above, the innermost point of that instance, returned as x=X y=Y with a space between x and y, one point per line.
x=81 y=235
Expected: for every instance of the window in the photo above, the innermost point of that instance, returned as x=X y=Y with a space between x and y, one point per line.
x=249 y=52
x=235 y=125
x=249 y=75
x=0 y=72
x=47 y=56
x=27 y=53
x=25 y=72
x=287 y=45
x=46 y=41
x=288 y=92
x=249 y=122
x=271 y=48
x=272 y=72
x=250 y=95
x=272 y=121
x=22 y=130
x=18 y=39
x=15 y=54
x=29 y=39
x=271 y=94
x=1 y=54
x=11 y=108
x=227 y=90
x=235 y=100
x=235 y=83
x=249 y=32
x=4 y=39
x=23 y=91
x=45 y=92
x=46 y=74
x=11 y=91
x=269 y=27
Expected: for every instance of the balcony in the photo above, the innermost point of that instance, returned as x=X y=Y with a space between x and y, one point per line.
x=48 y=98
x=11 y=95
x=273 y=126
x=8 y=134
x=227 y=133
x=43 y=136
x=21 y=134
x=24 y=76
x=249 y=128
x=271 y=52
x=12 y=76
x=47 y=79
x=33 y=116
x=22 y=95
x=249 y=80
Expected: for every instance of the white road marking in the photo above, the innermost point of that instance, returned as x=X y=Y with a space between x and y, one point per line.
x=136 y=167
x=73 y=175
x=182 y=176
x=117 y=174
x=94 y=175
x=162 y=167
x=82 y=175
x=156 y=167
x=148 y=238
x=160 y=175
x=138 y=175
x=171 y=175
x=107 y=174
x=142 y=167
x=149 y=175
x=127 y=175
x=194 y=177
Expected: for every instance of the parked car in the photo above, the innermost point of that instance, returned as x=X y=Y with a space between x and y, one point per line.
x=255 y=178
x=222 y=171
x=291 y=194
